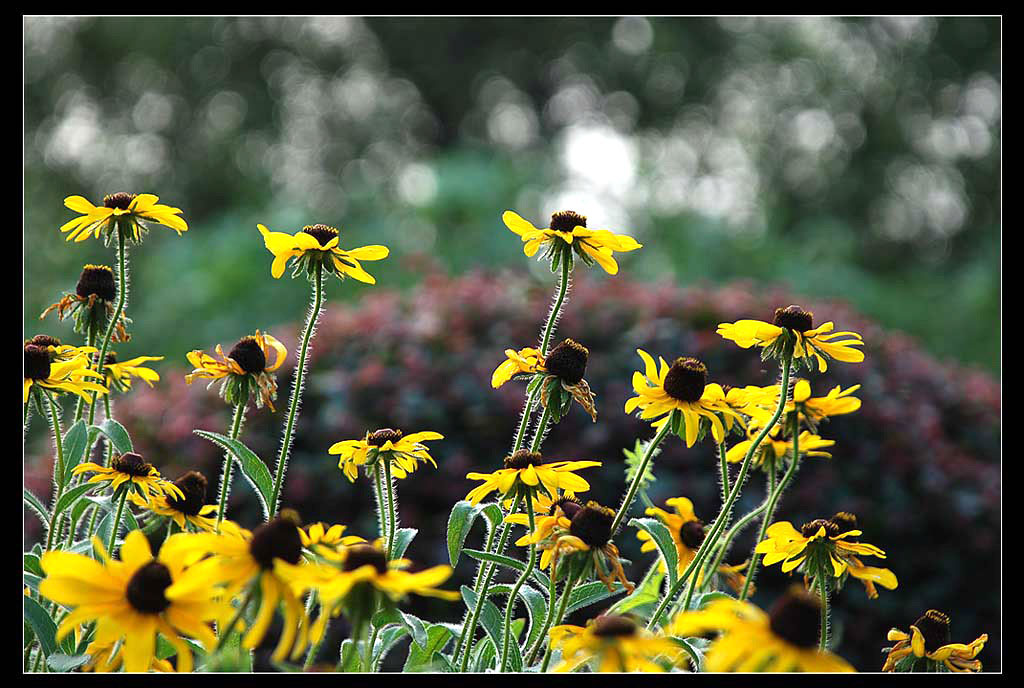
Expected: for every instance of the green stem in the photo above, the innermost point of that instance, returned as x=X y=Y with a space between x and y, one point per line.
x=58 y=468
x=238 y=615
x=314 y=649
x=569 y=585
x=547 y=621
x=531 y=400
x=90 y=340
x=389 y=490
x=556 y=308
x=225 y=474
x=368 y=662
x=122 y=296
x=627 y=501
x=293 y=408
x=378 y=492
x=507 y=628
x=117 y=519
x=728 y=538
x=823 y=589
x=723 y=466
x=542 y=426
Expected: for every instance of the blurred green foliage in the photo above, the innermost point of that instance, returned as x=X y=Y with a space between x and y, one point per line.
x=856 y=159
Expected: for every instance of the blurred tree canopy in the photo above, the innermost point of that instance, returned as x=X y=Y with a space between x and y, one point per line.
x=849 y=158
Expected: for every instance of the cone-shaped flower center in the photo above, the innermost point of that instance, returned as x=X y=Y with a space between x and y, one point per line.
x=131 y=464
x=523 y=459
x=845 y=522
x=612 y=626
x=795 y=617
x=569 y=506
x=98 y=280
x=249 y=356
x=794 y=318
x=379 y=437
x=120 y=200
x=321 y=233
x=110 y=358
x=277 y=539
x=692 y=534
x=811 y=529
x=567 y=220
x=193 y=486
x=37 y=362
x=593 y=524
x=361 y=555
x=934 y=626
x=686 y=379
x=44 y=340
x=145 y=591
x=568 y=361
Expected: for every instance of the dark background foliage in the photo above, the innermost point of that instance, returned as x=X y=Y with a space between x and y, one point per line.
x=919 y=463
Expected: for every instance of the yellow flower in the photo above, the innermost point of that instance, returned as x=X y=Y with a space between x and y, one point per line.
x=130 y=468
x=248 y=360
x=929 y=638
x=402 y=452
x=827 y=545
x=44 y=367
x=128 y=210
x=762 y=401
x=104 y=659
x=774 y=447
x=318 y=244
x=525 y=468
x=616 y=642
x=563 y=368
x=317 y=535
x=120 y=374
x=568 y=233
x=682 y=387
x=135 y=598
x=528 y=360
x=191 y=509
x=784 y=640
x=793 y=324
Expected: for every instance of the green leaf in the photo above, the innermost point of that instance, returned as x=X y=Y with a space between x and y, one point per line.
x=76 y=443
x=42 y=625
x=423 y=658
x=403 y=538
x=662 y=538
x=492 y=620
x=536 y=606
x=32 y=581
x=33 y=503
x=483 y=655
x=350 y=660
x=590 y=593
x=643 y=599
x=460 y=522
x=252 y=466
x=416 y=628
x=117 y=435
x=32 y=564
x=539 y=576
x=703 y=599
x=70 y=497
x=62 y=663
x=386 y=640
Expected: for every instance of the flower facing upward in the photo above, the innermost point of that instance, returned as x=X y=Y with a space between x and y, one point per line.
x=44 y=368
x=130 y=211
x=929 y=638
x=191 y=508
x=132 y=469
x=784 y=640
x=135 y=598
x=92 y=304
x=247 y=363
x=793 y=325
x=402 y=452
x=119 y=375
x=528 y=469
x=318 y=245
x=319 y=535
x=681 y=387
x=568 y=234
x=617 y=643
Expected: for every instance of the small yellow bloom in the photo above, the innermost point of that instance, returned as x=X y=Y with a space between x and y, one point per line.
x=130 y=468
x=929 y=638
x=774 y=447
x=528 y=360
x=192 y=509
x=568 y=232
x=404 y=453
x=60 y=368
x=129 y=210
x=618 y=645
x=318 y=244
x=120 y=375
x=525 y=468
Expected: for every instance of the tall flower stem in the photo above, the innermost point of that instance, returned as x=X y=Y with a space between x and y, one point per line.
x=225 y=474
x=556 y=308
x=378 y=493
x=531 y=400
x=627 y=501
x=58 y=468
x=723 y=466
x=293 y=406
x=823 y=589
x=90 y=340
x=552 y=590
x=122 y=297
x=562 y=606
x=224 y=634
x=117 y=519
x=727 y=539
x=507 y=627
x=389 y=491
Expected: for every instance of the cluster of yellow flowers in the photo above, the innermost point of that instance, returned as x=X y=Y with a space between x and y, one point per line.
x=184 y=579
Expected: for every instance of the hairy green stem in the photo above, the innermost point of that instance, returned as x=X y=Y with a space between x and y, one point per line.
x=389 y=490
x=507 y=627
x=238 y=614
x=570 y=583
x=225 y=474
x=58 y=469
x=117 y=519
x=552 y=590
x=122 y=296
x=723 y=466
x=556 y=308
x=823 y=589
x=627 y=501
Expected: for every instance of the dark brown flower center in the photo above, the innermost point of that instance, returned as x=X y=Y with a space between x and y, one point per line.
x=568 y=361
x=249 y=356
x=934 y=626
x=110 y=358
x=795 y=617
x=686 y=379
x=811 y=529
x=567 y=220
x=795 y=318
x=569 y=506
x=845 y=522
x=379 y=437
x=44 y=340
x=593 y=524
x=277 y=539
x=132 y=464
x=145 y=591
x=193 y=486
x=37 y=362
x=98 y=280
x=522 y=459
x=612 y=626
x=321 y=233
x=119 y=200
x=692 y=534
x=361 y=555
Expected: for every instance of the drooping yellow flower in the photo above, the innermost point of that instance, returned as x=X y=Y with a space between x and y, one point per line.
x=775 y=447
x=682 y=387
x=248 y=361
x=131 y=211
x=318 y=244
x=132 y=469
x=44 y=368
x=524 y=361
x=133 y=599
x=403 y=453
x=568 y=232
x=562 y=369
x=793 y=325
x=618 y=645
x=192 y=509
x=120 y=375
x=528 y=469
x=783 y=641
x=929 y=638
x=92 y=304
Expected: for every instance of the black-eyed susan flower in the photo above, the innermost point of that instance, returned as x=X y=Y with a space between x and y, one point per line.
x=134 y=599
x=585 y=537
x=929 y=639
x=109 y=657
x=43 y=368
x=244 y=559
x=559 y=374
x=119 y=375
x=128 y=211
x=682 y=387
x=320 y=535
x=528 y=470
x=190 y=509
x=568 y=234
x=58 y=351
x=133 y=470
x=92 y=304
x=784 y=640
x=825 y=548
x=688 y=534
x=812 y=410
x=318 y=245
x=246 y=366
x=517 y=363
x=791 y=333
x=775 y=446
x=402 y=452
x=617 y=644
